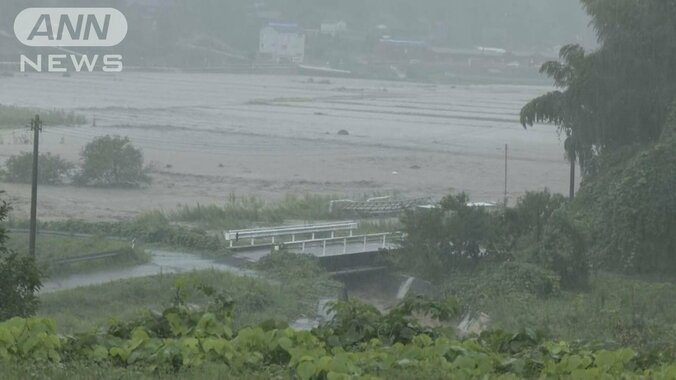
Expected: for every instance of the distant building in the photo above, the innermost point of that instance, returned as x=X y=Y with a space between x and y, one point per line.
x=283 y=42
x=388 y=49
x=333 y=29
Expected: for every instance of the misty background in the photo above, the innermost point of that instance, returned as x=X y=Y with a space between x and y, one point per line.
x=208 y=33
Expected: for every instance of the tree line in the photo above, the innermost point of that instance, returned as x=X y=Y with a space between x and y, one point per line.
x=109 y=161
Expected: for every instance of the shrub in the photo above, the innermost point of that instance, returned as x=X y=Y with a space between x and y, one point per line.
x=532 y=212
x=19 y=278
x=453 y=235
x=51 y=168
x=563 y=250
x=112 y=161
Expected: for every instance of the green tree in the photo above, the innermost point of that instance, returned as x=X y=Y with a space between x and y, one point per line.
x=637 y=68
x=632 y=207
x=51 y=168
x=532 y=212
x=20 y=278
x=112 y=161
x=620 y=94
x=563 y=250
x=566 y=108
x=451 y=236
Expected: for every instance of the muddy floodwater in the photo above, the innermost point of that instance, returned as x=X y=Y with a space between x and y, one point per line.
x=208 y=135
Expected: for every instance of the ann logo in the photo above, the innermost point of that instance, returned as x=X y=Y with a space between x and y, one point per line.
x=61 y=27
x=82 y=30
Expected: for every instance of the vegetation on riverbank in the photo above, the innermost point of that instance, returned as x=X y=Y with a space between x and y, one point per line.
x=184 y=340
x=52 y=249
x=148 y=228
x=19 y=117
x=289 y=287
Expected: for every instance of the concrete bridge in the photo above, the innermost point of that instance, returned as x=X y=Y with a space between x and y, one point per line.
x=336 y=242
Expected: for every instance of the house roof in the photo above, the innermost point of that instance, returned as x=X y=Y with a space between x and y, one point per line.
x=285 y=27
x=402 y=42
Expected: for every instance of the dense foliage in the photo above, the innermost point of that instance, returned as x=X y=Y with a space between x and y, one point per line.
x=182 y=338
x=631 y=208
x=453 y=235
x=620 y=94
x=151 y=227
x=457 y=236
x=52 y=169
x=20 y=278
x=112 y=161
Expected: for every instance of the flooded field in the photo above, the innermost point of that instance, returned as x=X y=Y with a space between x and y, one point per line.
x=208 y=135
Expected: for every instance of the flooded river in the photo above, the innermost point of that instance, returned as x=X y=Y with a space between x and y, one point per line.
x=209 y=135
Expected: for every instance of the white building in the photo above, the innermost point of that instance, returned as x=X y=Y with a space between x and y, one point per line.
x=333 y=28
x=283 y=42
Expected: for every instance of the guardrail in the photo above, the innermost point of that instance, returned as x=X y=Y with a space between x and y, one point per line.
x=381 y=238
x=274 y=232
x=89 y=257
x=64 y=234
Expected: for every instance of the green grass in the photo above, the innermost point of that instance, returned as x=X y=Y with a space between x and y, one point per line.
x=50 y=248
x=18 y=117
x=244 y=212
x=280 y=294
x=635 y=312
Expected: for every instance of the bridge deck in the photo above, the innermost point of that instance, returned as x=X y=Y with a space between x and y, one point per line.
x=317 y=249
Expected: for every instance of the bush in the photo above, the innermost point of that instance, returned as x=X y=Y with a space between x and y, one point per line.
x=112 y=161
x=563 y=250
x=451 y=236
x=532 y=212
x=635 y=226
x=19 y=279
x=51 y=169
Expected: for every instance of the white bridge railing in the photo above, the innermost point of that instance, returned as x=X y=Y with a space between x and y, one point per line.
x=359 y=242
x=273 y=233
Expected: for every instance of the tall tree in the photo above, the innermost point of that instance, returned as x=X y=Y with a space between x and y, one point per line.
x=620 y=94
x=566 y=107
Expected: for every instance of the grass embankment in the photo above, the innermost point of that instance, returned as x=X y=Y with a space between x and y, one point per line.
x=152 y=228
x=52 y=248
x=631 y=311
x=289 y=287
x=19 y=117
x=199 y=229
x=246 y=212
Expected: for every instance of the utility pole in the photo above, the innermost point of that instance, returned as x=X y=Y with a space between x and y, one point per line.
x=36 y=126
x=572 y=178
x=506 y=151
